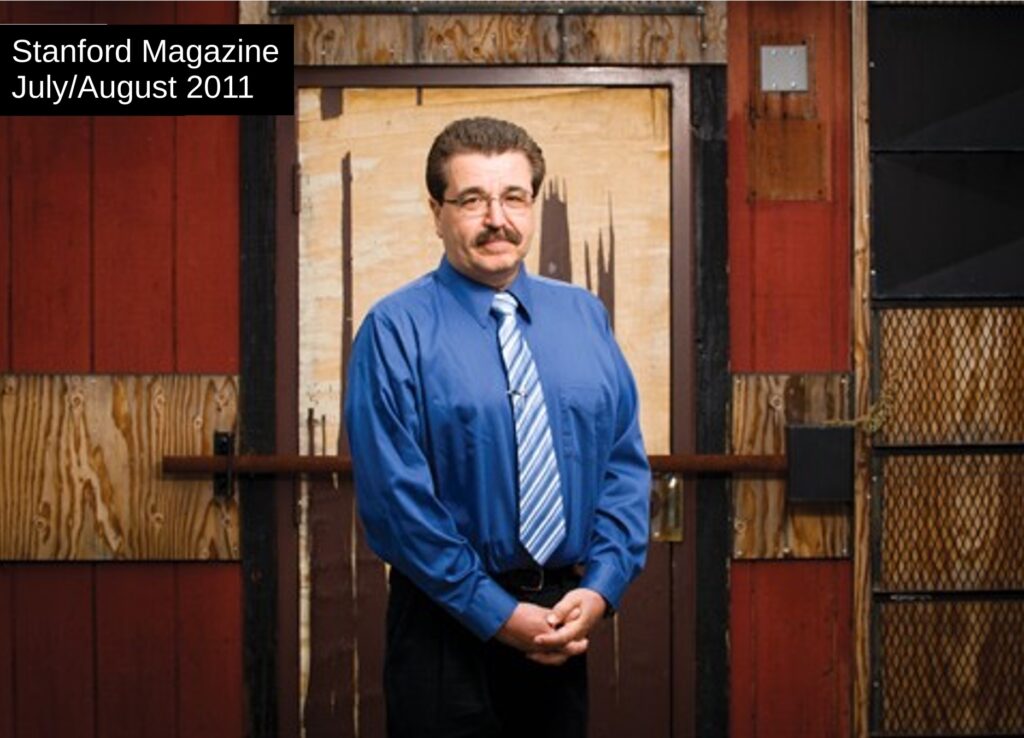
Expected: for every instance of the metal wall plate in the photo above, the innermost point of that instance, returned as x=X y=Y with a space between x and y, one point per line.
x=784 y=68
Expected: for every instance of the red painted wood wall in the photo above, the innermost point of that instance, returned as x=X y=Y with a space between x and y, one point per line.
x=789 y=291
x=119 y=254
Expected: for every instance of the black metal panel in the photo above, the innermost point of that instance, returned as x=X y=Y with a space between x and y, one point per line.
x=820 y=463
x=948 y=225
x=946 y=77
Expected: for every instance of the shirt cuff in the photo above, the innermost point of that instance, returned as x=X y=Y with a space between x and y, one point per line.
x=490 y=608
x=606 y=581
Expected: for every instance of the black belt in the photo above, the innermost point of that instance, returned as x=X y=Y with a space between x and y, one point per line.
x=536 y=579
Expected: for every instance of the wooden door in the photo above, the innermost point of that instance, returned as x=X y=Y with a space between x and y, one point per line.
x=361 y=229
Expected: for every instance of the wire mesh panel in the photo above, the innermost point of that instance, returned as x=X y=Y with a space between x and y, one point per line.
x=952 y=522
x=952 y=376
x=951 y=668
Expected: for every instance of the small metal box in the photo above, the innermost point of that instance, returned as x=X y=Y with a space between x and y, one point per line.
x=784 y=68
x=820 y=460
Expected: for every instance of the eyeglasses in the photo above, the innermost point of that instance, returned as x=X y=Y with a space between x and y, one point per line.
x=475 y=204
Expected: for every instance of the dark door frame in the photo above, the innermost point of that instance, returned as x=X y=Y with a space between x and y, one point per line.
x=699 y=379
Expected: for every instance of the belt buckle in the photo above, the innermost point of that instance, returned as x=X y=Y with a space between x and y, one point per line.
x=527 y=587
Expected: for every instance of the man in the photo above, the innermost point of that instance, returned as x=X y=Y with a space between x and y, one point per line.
x=498 y=461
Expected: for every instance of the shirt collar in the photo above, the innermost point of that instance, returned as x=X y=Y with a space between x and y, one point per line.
x=476 y=298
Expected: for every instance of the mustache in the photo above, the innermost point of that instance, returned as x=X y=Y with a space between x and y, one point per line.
x=504 y=233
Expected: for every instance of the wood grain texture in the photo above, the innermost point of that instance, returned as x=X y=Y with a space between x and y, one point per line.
x=951 y=668
x=81 y=475
x=6 y=647
x=790 y=637
x=951 y=522
x=54 y=650
x=50 y=245
x=206 y=228
x=209 y=649
x=765 y=525
x=861 y=320
x=135 y=651
x=206 y=249
x=133 y=247
x=508 y=39
x=351 y=39
x=655 y=39
x=789 y=262
x=488 y=39
x=952 y=375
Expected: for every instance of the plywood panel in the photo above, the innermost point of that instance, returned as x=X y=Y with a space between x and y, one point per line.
x=54 y=650
x=766 y=526
x=135 y=651
x=789 y=276
x=790 y=635
x=496 y=39
x=50 y=296
x=350 y=39
x=209 y=627
x=81 y=480
x=654 y=39
x=488 y=39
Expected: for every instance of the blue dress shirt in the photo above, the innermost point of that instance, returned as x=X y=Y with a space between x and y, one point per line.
x=433 y=442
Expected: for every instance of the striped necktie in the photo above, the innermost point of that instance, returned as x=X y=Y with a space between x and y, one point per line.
x=541 y=520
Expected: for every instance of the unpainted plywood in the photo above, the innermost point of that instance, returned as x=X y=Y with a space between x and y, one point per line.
x=652 y=39
x=322 y=39
x=80 y=477
x=766 y=525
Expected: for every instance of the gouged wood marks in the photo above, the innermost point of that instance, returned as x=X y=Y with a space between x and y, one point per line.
x=653 y=39
x=765 y=526
x=503 y=39
x=371 y=39
x=80 y=474
x=488 y=39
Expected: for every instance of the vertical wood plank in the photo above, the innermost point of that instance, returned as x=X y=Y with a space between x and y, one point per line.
x=789 y=260
x=133 y=231
x=49 y=232
x=209 y=626
x=133 y=249
x=6 y=651
x=135 y=651
x=861 y=372
x=54 y=650
x=5 y=233
x=206 y=227
x=49 y=227
x=790 y=673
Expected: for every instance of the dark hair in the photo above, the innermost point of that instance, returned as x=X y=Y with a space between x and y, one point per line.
x=484 y=136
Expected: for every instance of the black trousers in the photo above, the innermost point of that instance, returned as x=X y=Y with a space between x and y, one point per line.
x=441 y=681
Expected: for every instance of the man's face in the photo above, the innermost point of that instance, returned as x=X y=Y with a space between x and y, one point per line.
x=488 y=246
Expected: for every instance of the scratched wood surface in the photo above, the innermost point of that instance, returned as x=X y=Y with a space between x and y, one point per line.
x=765 y=525
x=503 y=39
x=861 y=339
x=80 y=477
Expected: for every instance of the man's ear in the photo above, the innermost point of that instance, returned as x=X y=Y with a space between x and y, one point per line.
x=435 y=209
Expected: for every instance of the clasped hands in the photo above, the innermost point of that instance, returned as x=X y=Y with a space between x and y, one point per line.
x=553 y=636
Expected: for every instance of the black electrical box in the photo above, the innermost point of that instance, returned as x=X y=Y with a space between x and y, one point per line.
x=820 y=460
